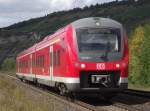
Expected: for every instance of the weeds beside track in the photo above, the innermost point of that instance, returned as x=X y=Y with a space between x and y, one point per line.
x=77 y=104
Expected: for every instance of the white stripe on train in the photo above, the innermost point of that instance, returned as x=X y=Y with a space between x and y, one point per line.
x=58 y=79
x=63 y=79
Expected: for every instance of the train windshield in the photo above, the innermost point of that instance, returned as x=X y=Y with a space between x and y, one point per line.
x=97 y=40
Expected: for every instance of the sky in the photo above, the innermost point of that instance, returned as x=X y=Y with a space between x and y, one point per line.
x=14 y=11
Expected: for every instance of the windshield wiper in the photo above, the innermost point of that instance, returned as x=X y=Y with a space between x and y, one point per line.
x=105 y=55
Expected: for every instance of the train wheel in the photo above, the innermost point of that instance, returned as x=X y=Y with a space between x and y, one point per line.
x=56 y=88
x=25 y=81
x=21 y=79
x=63 y=89
x=35 y=81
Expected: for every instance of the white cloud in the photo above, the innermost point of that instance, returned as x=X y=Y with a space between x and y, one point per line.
x=7 y=1
x=13 y=11
x=58 y=5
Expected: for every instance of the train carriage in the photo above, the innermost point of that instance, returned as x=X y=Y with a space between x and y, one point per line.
x=90 y=54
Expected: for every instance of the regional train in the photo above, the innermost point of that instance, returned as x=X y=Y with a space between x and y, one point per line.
x=87 y=55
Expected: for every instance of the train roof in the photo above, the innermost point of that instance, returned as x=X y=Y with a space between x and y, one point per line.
x=96 y=22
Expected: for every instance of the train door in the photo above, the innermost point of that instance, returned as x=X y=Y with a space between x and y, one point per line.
x=51 y=64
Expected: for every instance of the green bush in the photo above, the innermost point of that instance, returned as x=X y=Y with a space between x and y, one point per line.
x=9 y=64
x=145 y=58
x=135 y=42
x=139 y=65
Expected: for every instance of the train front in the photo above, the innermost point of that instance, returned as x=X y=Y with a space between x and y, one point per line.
x=101 y=54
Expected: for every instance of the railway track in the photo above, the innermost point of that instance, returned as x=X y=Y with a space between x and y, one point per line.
x=140 y=93
x=136 y=99
x=89 y=104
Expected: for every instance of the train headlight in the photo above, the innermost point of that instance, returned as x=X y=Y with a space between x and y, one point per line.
x=117 y=65
x=97 y=23
x=82 y=65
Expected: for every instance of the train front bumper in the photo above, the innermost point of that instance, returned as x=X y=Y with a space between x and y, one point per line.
x=75 y=87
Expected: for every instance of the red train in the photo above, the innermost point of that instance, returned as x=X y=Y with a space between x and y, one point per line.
x=90 y=54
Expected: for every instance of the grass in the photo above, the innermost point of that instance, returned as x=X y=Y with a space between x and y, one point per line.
x=14 y=98
x=9 y=64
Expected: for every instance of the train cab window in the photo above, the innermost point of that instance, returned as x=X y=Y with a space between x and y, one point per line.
x=58 y=57
x=95 y=40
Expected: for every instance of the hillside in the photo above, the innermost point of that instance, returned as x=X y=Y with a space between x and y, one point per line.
x=18 y=37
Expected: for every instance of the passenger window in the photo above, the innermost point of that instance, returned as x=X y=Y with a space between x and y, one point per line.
x=51 y=63
x=58 y=57
x=37 y=61
x=63 y=44
x=40 y=61
x=33 y=62
x=54 y=58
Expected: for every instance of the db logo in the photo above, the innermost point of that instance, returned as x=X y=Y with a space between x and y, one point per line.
x=100 y=66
